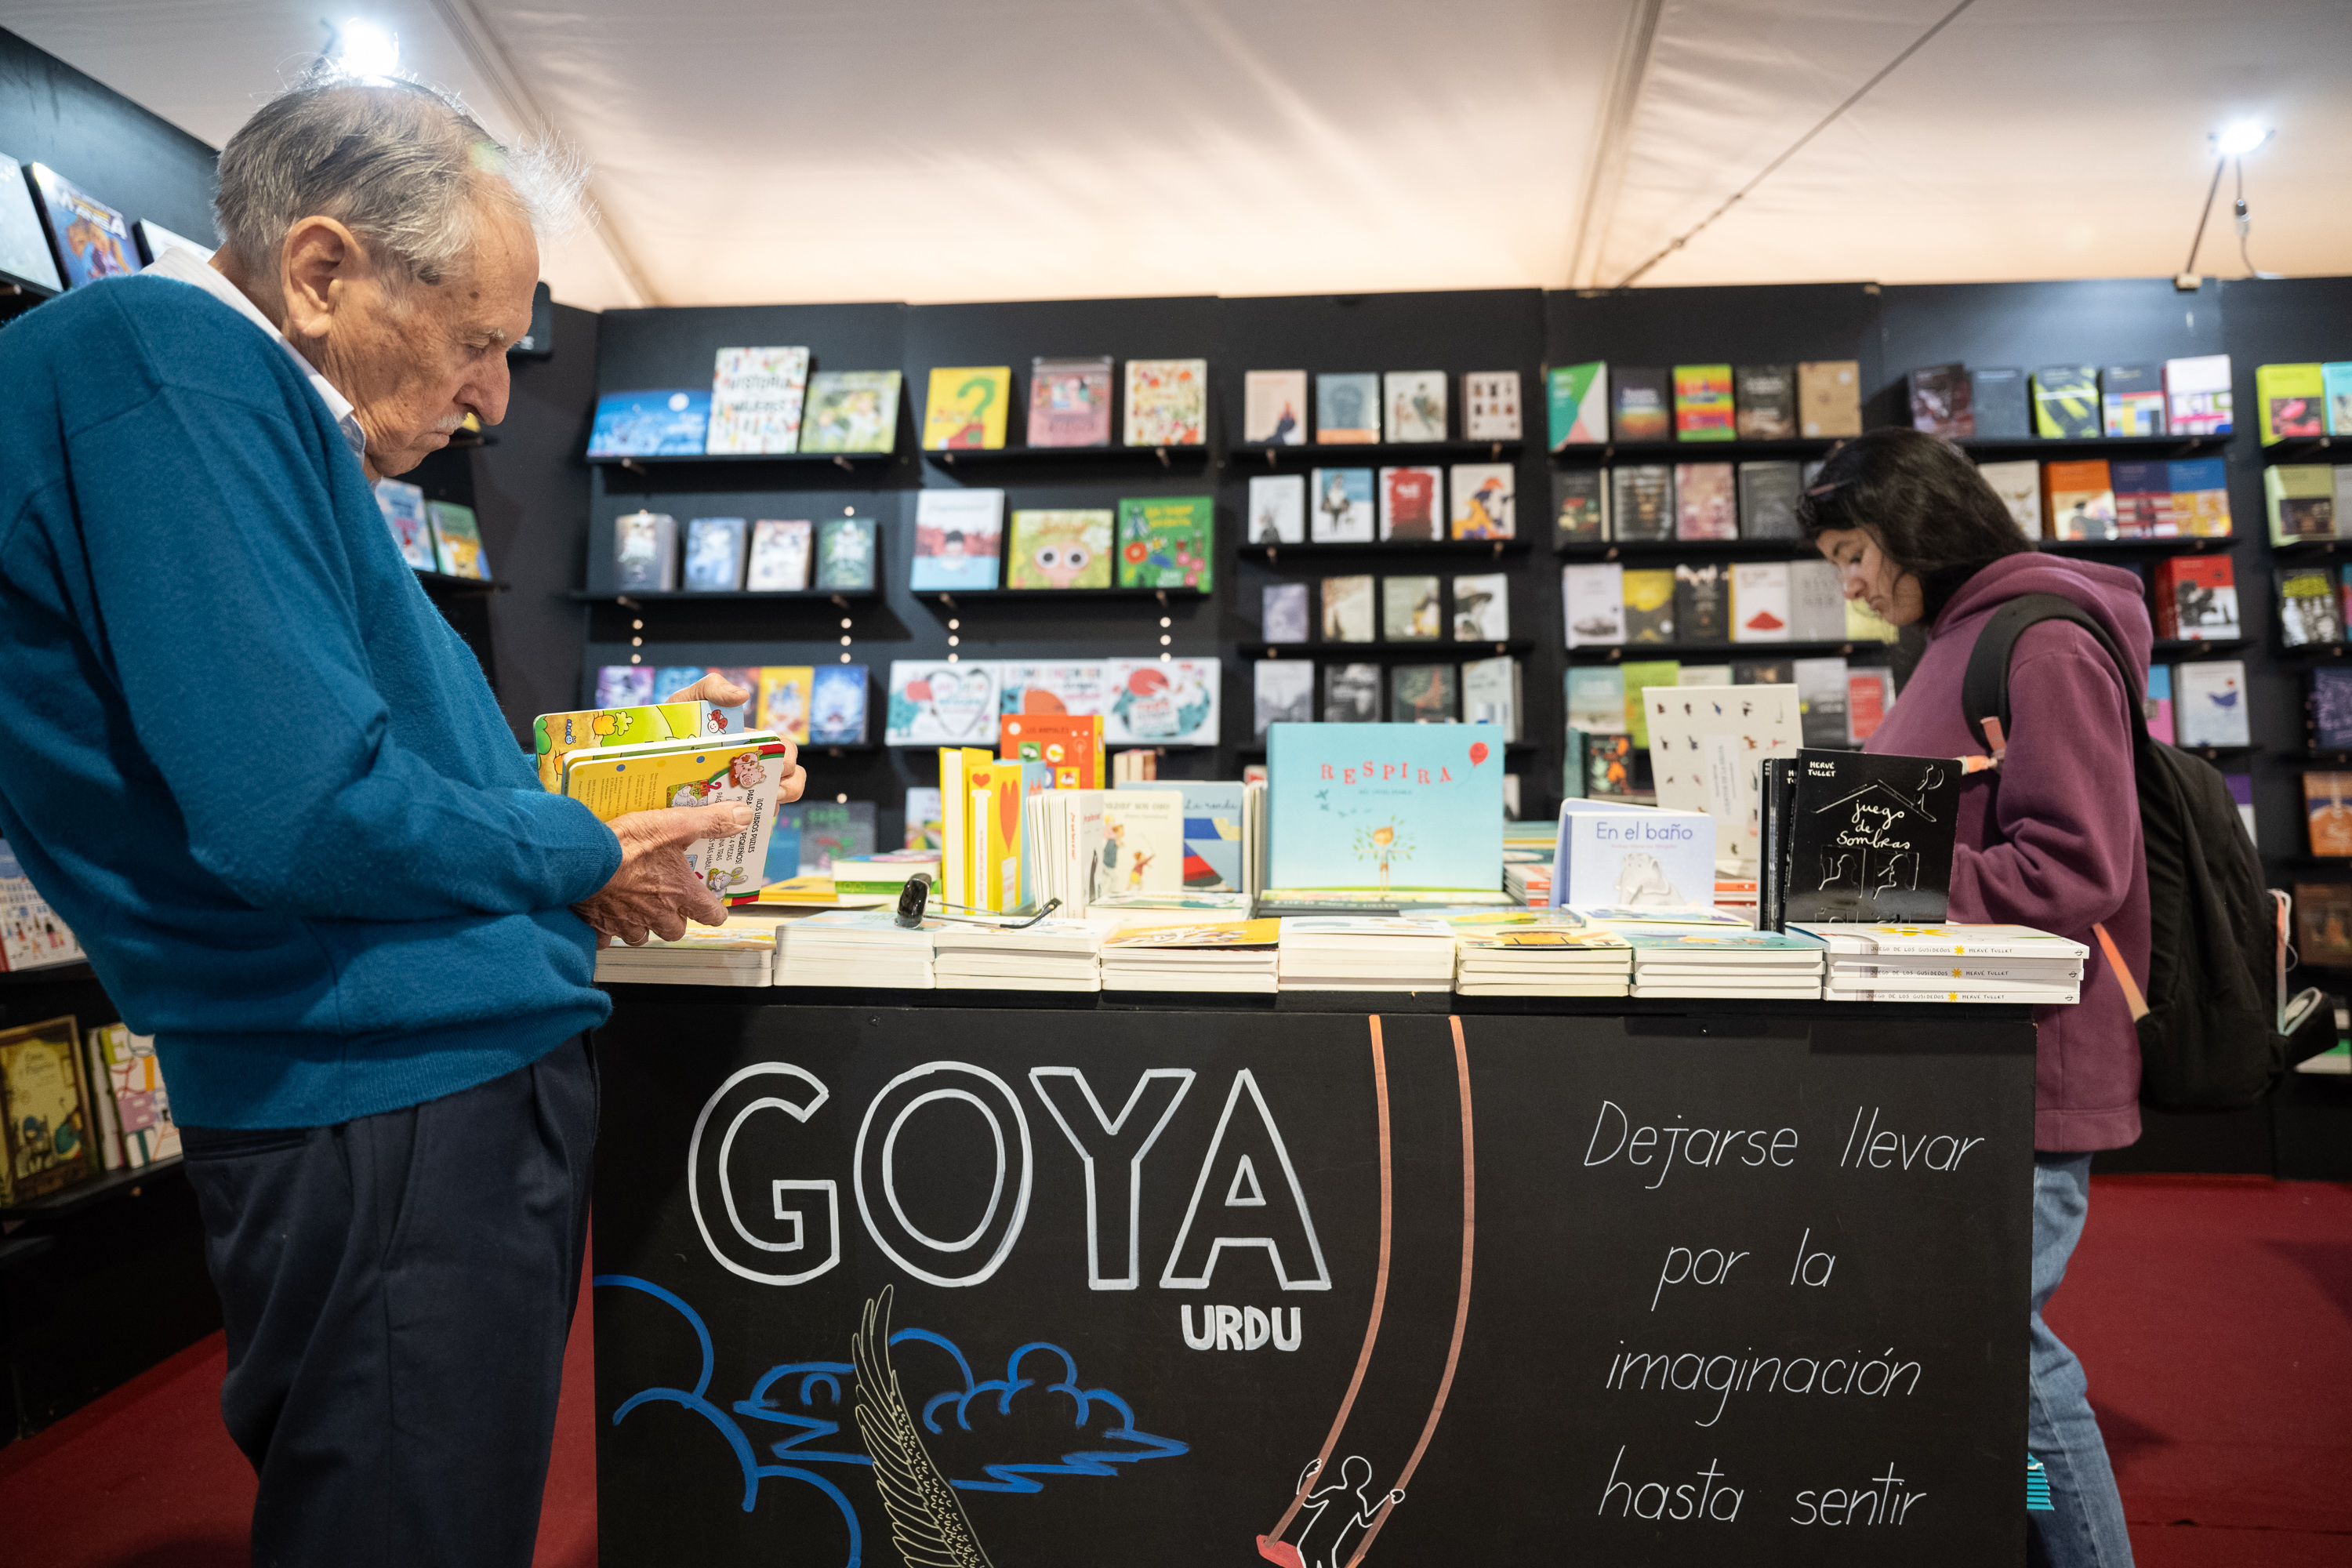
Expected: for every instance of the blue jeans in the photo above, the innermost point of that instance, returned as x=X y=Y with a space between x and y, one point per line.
x=2087 y=1529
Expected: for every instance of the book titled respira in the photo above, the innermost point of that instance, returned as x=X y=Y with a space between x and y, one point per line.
x=1404 y=808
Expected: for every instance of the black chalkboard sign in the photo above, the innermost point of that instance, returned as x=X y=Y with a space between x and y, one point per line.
x=915 y=1285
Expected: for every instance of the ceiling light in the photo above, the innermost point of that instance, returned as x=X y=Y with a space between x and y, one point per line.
x=364 y=49
x=2236 y=141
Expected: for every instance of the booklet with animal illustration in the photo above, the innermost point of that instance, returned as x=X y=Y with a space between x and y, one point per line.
x=750 y=768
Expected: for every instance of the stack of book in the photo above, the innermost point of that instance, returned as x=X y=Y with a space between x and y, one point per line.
x=1364 y=953
x=1670 y=961
x=1049 y=956
x=1949 y=963
x=1552 y=953
x=857 y=947
x=731 y=954
x=1227 y=956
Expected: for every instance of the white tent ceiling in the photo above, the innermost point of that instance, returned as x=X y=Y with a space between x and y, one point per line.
x=1044 y=149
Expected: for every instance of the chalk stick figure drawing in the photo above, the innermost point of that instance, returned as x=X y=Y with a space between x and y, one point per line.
x=1338 y=1535
x=927 y=1521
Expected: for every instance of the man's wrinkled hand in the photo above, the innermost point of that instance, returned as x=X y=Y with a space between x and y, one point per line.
x=655 y=893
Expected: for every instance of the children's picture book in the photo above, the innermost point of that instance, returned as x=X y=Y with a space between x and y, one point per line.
x=1351 y=693
x=851 y=411
x=644 y=552
x=625 y=685
x=1167 y=401
x=1592 y=599
x=1576 y=398
x=756 y=397
x=89 y=239
x=25 y=256
x=1163 y=703
x=1870 y=838
x=1410 y=611
x=1706 y=501
x=1424 y=694
x=1642 y=403
x=1642 y=502
x=1702 y=403
x=1346 y=408
x=1213 y=833
x=958 y=535
x=1829 y=397
x=1072 y=687
x=1482 y=607
x=124 y=1083
x=780 y=550
x=2143 y=495
x=31 y=934
x=1483 y=503
x=1070 y=744
x=1283 y=617
x=1385 y=808
x=2197 y=396
x=1612 y=859
x=2158 y=704
x=936 y=703
x=1167 y=542
x=782 y=699
x=47 y=1134
x=1283 y=691
x=1343 y=506
x=1142 y=848
x=402 y=505
x=1414 y=404
x=714 y=554
x=1277 y=508
x=1490 y=406
x=1580 y=506
x=846 y=553
x=1060 y=548
x=555 y=736
x=457 y=540
x=1412 y=503
x=966 y=408
x=1765 y=399
x=1069 y=402
x=1705 y=744
x=1274 y=408
x=837 y=706
x=614 y=781
x=2329 y=705
x=674 y=423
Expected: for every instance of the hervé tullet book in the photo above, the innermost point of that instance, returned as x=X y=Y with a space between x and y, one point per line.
x=673 y=423
x=89 y=239
x=1167 y=401
x=1385 y=808
x=756 y=398
x=851 y=411
x=402 y=505
x=1069 y=402
x=966 y=408
x=1060 y=548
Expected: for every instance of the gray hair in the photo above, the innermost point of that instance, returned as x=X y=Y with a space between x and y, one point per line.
x=404 y=166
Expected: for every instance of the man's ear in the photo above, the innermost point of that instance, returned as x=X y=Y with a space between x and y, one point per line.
x=319 y=254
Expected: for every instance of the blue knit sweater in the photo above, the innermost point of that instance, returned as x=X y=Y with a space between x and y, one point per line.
x=240 y=750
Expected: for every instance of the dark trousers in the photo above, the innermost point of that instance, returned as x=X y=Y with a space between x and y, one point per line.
x=398 y=1290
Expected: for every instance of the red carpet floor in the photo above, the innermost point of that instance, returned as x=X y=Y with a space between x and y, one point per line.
x=2214 y=1313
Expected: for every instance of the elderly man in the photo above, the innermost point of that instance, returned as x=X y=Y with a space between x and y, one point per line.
x=267 y=785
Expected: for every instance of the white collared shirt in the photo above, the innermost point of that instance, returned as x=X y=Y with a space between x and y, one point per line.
x=185 y=266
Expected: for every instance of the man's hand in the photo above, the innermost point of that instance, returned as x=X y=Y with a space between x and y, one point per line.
x=654 y=893
x=717 y=688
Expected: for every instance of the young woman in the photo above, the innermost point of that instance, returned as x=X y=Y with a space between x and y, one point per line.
x=1916 y=532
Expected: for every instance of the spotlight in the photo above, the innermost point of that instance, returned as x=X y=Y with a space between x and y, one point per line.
x=2238 y=140
x=360 y=48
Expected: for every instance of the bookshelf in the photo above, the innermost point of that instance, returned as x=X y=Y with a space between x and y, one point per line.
x=1260 y=456
x=1066 y=457
x=1630 y=453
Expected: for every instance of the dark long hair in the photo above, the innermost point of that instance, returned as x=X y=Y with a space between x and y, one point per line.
x=1921 y=499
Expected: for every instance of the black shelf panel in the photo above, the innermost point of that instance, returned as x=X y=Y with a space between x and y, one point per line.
x=693 y=459
x=1370 y=454
x=836 y=747
x=2342 y=759
x=442 y=584
x=2091 y=445
x=967 y=596
x=84 y=1194
x=724 y=595
x=2317 y=650
x=987 y=457
x=1342 y=652
x=1720 y=652
x=1798 y=446
x=18 y=1249
x=49 y=975
x=2197 y=647
x=1455 y=548
x=1604 y=550
x=2307 y=448
x=2309 y=549
x=2170 y=544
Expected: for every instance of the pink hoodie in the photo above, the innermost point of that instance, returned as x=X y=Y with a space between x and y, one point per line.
x=2060 y=849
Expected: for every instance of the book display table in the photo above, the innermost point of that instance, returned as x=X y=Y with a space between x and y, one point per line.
x=1619 y=1281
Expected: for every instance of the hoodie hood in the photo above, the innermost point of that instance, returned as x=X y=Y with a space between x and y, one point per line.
x=2113 y=597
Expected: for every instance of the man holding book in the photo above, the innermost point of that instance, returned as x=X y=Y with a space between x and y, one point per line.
x=252 y=766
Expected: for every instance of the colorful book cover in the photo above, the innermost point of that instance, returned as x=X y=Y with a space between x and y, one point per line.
x=1212 y=834
x=1346 y=408
x=1163 y=703
x=1351 y=694
x=2199 y=594
x=2309 y=611
x=1414 y=404
x=938 y=703
x=851 y=411
x=781 y=549
x=1274 y=408
x=1167 y=542
x=1143 y=843
x=1999 y=399
x=2079 y=500
x=1410 y=611
x=2336 y=386
x=782 y=696
x=613 y=782
x=958 y=537
x=1579 y=506
x=1870 y=838
x=555 y=736
x=2209 y=703
x=1706 y=504
x=966 y=407
x=1816 y=602
x=49 y=1136
x=31 y=934
x=2158 y=704
x=1482 y=607
x=1704 y=409
x=2293 y=401
x=1649 y=605
x=1640 y=405
x=1592 y=602
x=1490 y=406
x=1829 y=397
x=1069 y=402
x=457 y=540
x=25 y=256
x=756 y=397
x=1642 y=502
x=2327 y=814
x=922 y=817
x=1343 y=506
x=1059 y=686
x=846 y=553
x=664 y=424
x=1277 y=508
x=1071 y=744
x=2131 y=398
x=2067 y=402
x=1424 y=694
x=1484 y=507
x=2197 y=396
x=1412 y=503
x=89 y=239
x=1282 y=691
x=403 y=506
x=1764 y=396
x=1940 y=401
x=2301 y=501
x=1167 y=401
x=624 y=686
x=1384 y=808
x=714 y=554
x=2143 y=491
x=837 y=706
x=1577 y=399
x=1061 y=549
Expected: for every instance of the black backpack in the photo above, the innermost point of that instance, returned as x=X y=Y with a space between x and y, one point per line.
x=2208 y=1038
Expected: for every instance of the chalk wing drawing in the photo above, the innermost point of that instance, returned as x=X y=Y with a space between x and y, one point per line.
x=927 y=1522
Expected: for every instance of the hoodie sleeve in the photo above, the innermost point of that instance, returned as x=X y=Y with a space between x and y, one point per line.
x=2067 y=810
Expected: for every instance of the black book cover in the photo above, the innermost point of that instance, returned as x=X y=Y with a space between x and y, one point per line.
x=1640 y=405
x=1870 y=838
x=1939 y=401
x=1642 y=506
x=1763 y=672
x=1702 y=605
x=1765 y=398
x=1423 y=694
x=1998 y=398
x=1351 y=694
x=1579 y=509
x=2330 y=705
x=1767 y=501
x=1772 y=872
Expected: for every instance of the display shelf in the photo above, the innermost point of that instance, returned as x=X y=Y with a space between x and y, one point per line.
x=18 y=1249
x=988 y=457
x=1720 y=652
x=696 y=459
x=1347 y=455
x=1459 y=548
x=2090 y=446
x=443 y=583
x=2197 y=647
x=49 y=975
x=2315 y=651
x=2316 y=758
x=1340 y=652
x=969 y=596
x=1605 y=549
x=2218 y=754
x=84 y=1194
x=836 y=749
x=2170 y=544
x=726 y=595
x=1697 y=451
x=2309 y=549
x=2307 y=448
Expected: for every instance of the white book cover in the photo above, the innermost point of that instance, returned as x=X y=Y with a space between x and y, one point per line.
x=1490 y=406
x=1274 y=410
x=1593 y=599
x=1490 y=694
x=1482 y=607
x=1347 y=608
x=1284 y=615
x=1596 y=697
x=958 y=535
x=403 y=506
x=2018 y=486
x=1413 y=405
x=2197 y=394
x=1343 y=506
x=1955 y=940
x=1161 y=702
x=2209 y=703
x=644 y=552
x=1705 y=744
x=1816 y=602
x=755 y=400
x=1142 y=846
x=1076 y=686
x=937 y=703
x=780 y=552
x=1284 y=693
x=1759 y=601
x=714 y=554
x=1484 y=503
x=1277 y=508
x=1634 y=858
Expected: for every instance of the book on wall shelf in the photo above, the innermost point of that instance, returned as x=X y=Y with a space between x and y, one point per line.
x=1829 y=397
x=1577 y=404
x=1070 y=402
x=1579 y=499
x=2197 y=396
x=1482 y=607
x=2300 y=500
x=1167 y=542
x=1274 y=408
x=1413 y=405
x=1702 y=403
x=2067 y=402
x=966 y=408
x=1640 y=404
x=1343 y=510
x=1283 y=612
x=959 y=536
x=49 y=1139
x=2309 y=612
x=756 y=395
x=1167 y=401
x=714 y=554
x=847 y=549
x=669 y=423
x=1060 y=548
x=1490 y=406
x=851 y=411
x=25 y=256
x=88 y=238
x=1346 y=408
x=2000 y=404
x=780 y=554
x=1484 y=500
x=2131 y=400
x=457 y=540
x=1941 y=401
x=1277 y=508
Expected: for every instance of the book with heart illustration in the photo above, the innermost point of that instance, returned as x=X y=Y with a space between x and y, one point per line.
x=1864 y=836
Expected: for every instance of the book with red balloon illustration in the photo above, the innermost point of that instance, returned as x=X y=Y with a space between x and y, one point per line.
x=1405 y=811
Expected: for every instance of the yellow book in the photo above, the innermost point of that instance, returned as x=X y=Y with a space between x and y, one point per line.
x=783 y=702
x=2292 y=401
x=557 y=735
x=955 y=884
x=47 y=1140
x=966 y=408
x=613 y=780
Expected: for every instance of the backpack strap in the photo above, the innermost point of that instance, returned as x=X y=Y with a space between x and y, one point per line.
x=1984 y=689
